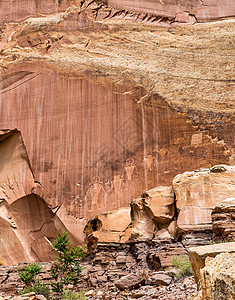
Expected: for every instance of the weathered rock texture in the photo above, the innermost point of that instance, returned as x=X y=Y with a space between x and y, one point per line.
x=198 y=192
x=167 y=214
x=102 y=103
x=27 y=223
x=111 y=227
x=218 y=277
x=223 y=220
x=110 y=108
x=151 y=212
x=168 y=11
x=198 y=255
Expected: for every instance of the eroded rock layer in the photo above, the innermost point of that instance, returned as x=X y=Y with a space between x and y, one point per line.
x=27 y=223
x=95 y=148
x=111 y=108
x=188 y=211
x=223 y=219
x=167 y=11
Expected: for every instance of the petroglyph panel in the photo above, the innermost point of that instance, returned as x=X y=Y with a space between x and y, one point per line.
x=92 y=147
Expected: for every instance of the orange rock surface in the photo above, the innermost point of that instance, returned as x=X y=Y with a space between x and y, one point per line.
x=197 y=193
x=111 y=104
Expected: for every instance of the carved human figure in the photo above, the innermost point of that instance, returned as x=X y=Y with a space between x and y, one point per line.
x=117 y=183
x=149 y=162
x=95 y=195
x=130 y=169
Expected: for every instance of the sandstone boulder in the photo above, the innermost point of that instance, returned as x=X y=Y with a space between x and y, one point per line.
x=130 y=281
x=218 y=277
x=198 y=192
x=151 y=212
x=198 y=255
x=109 y=227
x=161 y=202
x=223 y=220
x=159 y=278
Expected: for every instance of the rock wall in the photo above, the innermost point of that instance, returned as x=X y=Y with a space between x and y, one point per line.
x=148 y=11
x=223 y=219
x=92 y=147
x=108 y=108
x=188 y=211
x=27 y=223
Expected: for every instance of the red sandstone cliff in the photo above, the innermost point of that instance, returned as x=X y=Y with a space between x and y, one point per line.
x=109 y=108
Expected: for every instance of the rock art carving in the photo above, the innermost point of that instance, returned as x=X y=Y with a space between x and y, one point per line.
x=117 y=183
x=95 y=195
x=149 y=162
x=196 y=139
x=128 y=111
x=130 y=169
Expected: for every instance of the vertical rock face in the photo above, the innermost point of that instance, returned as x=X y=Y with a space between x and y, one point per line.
x=26 y=220
x=16 y=178
x=197 y=193
x=92 y=146
x=103 y=105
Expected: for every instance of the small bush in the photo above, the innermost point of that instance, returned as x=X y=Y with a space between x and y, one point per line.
x=68 y=295
x=38 y=288
x=29 y=273
x=182 y=263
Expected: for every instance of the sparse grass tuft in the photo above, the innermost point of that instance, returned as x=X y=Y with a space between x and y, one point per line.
x=182 y=263
x=38 y=288
x=69 y=295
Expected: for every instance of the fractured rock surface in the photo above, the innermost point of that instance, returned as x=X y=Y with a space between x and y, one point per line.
x=198 y=255
x=110 y=108
x=27 y=223
x=218 y=277
x=223 y=220
x=198 y=192
x=109 y=122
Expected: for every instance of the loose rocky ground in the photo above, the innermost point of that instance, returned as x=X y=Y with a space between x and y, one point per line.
x=182 y=289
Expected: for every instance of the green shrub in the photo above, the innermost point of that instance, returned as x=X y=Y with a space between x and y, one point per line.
x=182 y=263
x=68 y=295
x=38 y=288
x=29 y=273
x=67 y=269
